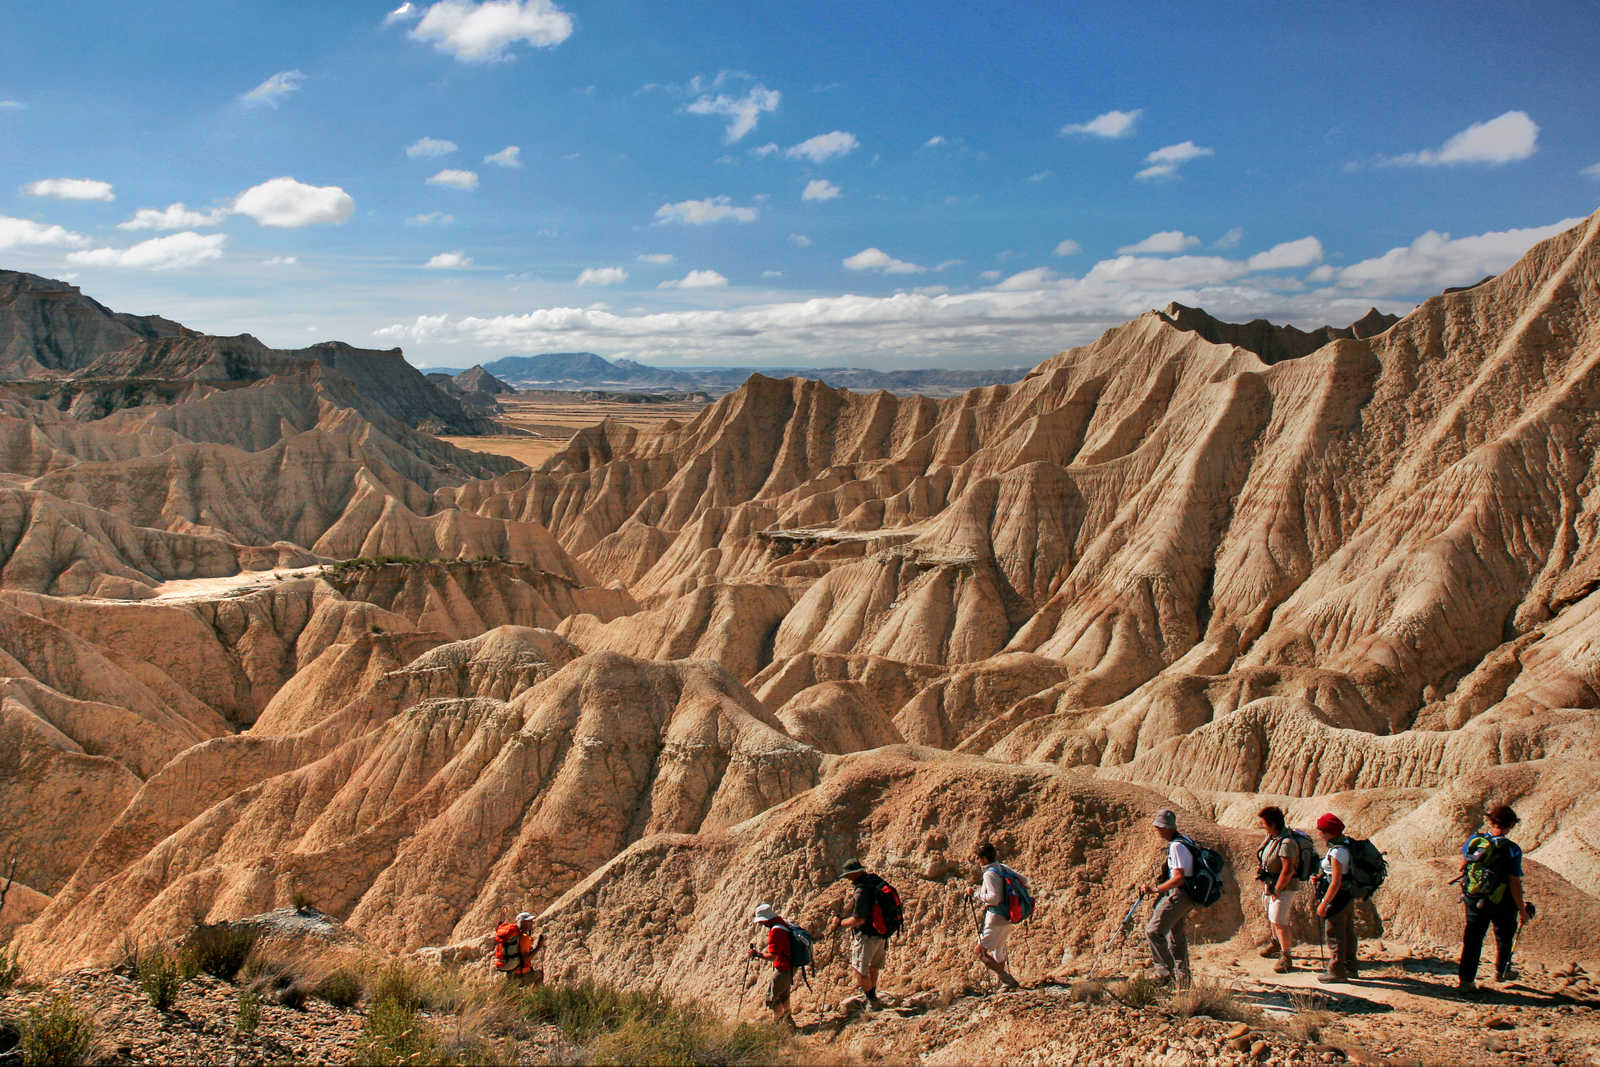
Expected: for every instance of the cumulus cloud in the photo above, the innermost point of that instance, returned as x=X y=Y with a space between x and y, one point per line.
x=1036 y=278
x=1164 y=162
x=742 y=112
x=820 y=189
x=879 y=260
x=509 y=156
x=430 y=148
x=823 y=147
x=70 y=189
x=455 y=179
x=275 y=88
x=765 y=150
x=172 y=252
x=448 y=261
x=431 y=218
x=1111 y=124
x=1230 y=239
x=1068 y=247
x=799 y=240
x=1435 y=261
x=934 y=142
x=288 y=204
x=1288 y=256
x=1504 y=139
x=1161 y=243
x=173 y=217
x=702 y=212
x=1592 y=171
x=280 y=261
x=25 y=233
x=484 y=32
x=697 y=279
x=655 y=257
x=602 y=276
x=406 y=12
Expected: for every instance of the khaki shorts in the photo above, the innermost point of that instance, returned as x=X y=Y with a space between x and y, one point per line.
x=867 y=952
x=996 y=931
x=778 y=989
x=1280 y=911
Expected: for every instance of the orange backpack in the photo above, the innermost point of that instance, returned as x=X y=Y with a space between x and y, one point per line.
x=507 y=947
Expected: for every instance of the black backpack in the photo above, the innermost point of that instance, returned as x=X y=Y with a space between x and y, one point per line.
x=1204 y=886
x=801 y=948
x=1305 y=867
x=1368 y=868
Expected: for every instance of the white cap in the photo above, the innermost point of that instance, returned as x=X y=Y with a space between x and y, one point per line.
x=523 y=917
x=764 y=914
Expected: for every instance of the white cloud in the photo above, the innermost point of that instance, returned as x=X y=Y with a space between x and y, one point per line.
x=448 y=261
x=799 y=240
x=1136 y=273
x=1592 y=171
x=1324 y=273
x=1436 y=261
x=878 y=259
x=934 y=142
x=12 y=105
x=1230 y=239
x=655 y=257
x=172 y=252
x=1036 y=278
x=431 y=218
x=173 y=217
x=949 y=263
x=1161 y=243
x=1040 y=175
x=742 y=112
x=1160 y=170
x=275 y=88
x=1288 y=256
x=406 y=12
x=772 y=274
x=990 y=275
x=602 y=276
x=455 y=179
x=25 y=233
x=1165 y=161
x=701 y=212
x=70 y=189
x=697 y=279
x=1111 y=124
x=820 y=189
x=823 y=147
x=482 y=32
x=430 y=148
x=280 y=261
x=289 y=204
x=509 y=156
x=1068 y=247
x=1505 y=139
x=763 y=151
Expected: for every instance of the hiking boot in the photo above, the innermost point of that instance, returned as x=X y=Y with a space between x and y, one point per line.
x=1271 y=951
x=1507 y=973
x=1466 y=987
x=1009 y=982
x=1333 y=976
x=1284 y=965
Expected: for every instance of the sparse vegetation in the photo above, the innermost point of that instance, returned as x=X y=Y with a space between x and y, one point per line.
x=220 y=949
x=249 y=1016
x=1308 y=1025
x=619 y=1027
x=342 y=989
x=57 y=1032
x=302 y=902
x=10 y=970
x=396 y=1035
x=1139 y=991
x=161 y=976
x=1087 y=991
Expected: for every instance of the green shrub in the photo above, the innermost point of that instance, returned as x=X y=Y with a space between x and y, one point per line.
x=396 y=1036
x=302 y=902
x=57 y=1032
x=249 y=1012
x=341 y=989
x=220 y=949
x=161 y=976
x=399 y=985
x=618 y=1027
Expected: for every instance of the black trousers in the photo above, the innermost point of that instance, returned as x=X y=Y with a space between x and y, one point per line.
x=1503 y=917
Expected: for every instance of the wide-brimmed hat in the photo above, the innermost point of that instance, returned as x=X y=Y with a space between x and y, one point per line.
x=526 y=916
x=852 y=867
x=764 y=914
x=1166 y=819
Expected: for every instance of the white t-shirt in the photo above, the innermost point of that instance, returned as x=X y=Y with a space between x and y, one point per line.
x=1180 y=857
x=1338 y=856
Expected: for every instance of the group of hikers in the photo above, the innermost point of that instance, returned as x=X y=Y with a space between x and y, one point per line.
x=1349 y=870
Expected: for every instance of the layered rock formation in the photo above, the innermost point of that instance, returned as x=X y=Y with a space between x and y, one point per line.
x=663 y=677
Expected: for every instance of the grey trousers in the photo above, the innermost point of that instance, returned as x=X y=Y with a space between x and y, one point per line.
x=1169 y=942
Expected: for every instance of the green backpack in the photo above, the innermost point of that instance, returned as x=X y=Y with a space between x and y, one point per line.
x=1485 y=876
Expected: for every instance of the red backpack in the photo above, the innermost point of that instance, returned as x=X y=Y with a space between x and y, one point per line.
x=887 y=913
x=507 y=947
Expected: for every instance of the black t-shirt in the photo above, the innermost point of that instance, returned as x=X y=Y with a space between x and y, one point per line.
x=866 y=889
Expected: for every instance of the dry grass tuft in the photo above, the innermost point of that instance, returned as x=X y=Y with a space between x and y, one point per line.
x=1139 y=991
x=1087 y=991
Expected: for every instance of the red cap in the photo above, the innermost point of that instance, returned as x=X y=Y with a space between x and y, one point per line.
x=1331 y=824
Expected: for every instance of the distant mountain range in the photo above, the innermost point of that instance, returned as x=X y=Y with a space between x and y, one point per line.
x=582 y=371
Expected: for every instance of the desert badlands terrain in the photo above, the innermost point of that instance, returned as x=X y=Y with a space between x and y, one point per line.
x=264 y=638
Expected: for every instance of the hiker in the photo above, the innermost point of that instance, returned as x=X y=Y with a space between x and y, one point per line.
x=1334 y=899
x=514 y=948
x=875 y=915
x=780 y=952
x=1000 y=903
x=1169 y=943
x=1491 y=891
x=1278 y=868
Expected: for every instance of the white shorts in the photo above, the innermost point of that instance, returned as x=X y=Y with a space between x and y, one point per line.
x=996 y=931
x=1280 y=910
x=867 y=952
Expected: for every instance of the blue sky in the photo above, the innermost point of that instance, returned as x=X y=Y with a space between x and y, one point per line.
x=822 y=183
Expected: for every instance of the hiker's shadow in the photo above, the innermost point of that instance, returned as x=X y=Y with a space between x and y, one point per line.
x=1513 y=997
x=1288 y=999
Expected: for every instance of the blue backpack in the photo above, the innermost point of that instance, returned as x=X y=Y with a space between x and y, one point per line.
x=1017 y=904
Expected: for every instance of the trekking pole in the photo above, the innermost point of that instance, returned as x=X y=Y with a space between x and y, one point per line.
x=744 y=984
x=1322 y=940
